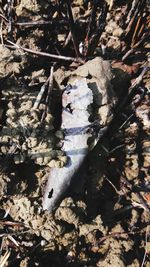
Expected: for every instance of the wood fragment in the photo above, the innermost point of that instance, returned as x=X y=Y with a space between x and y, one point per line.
x=38 y=23
x=72 y=27
x=50 y=87
x=12 y=224
x=96 y=28
x=12 y=239
x=4 y=258
x=146 y=244
x=40 y=94
x=44 y=54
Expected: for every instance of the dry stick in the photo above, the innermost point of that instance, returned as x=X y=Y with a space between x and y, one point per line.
x=10 y=152
x=39 y=22
x=128 y=119
x=40 y=94
x=4 y=258
x=146 y=240
x=32 y=23
x=48 y=94
x=12 y=239
x=128 y=53
x=114 y=187
x=4 y=18
x=138 y=80
x=91 y=22
x=95 y=36
x=135 y=31
x=2 y=244
x=138 y=31
x=1 y=32
x=91 y=27
x=72 y=27
x=10 y=15
x=12 y=224
x=44 y=54
x=111 y=4
x=136 y=83
x=133 y=49
x=139 y=8
x=115 y=234
x=134 y=4
x=143 y=203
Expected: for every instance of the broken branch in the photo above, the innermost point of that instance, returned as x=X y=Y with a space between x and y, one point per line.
x=44 y=54
x=72 y=27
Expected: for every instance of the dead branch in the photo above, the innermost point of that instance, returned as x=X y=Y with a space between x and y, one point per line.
x=40 y=94
x=44 y=54
x=72 y=27
x=38 y=23
x=4 y=258
x=50 y=87
x=146 y=241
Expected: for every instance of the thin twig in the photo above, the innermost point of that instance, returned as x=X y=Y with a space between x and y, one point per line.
x=12 y=239
x=10 y=5
x=37 y=23
x=132 y=90
x=94 y=38
x=92 y=22
x=4 y=258
x=72 y=27
x=146 y=240
x=138 y=80
x=40 y=94
x=10 y=152
x=4 y=19
x=2 y=244
x=139 y=9
x=128 y=53
x=48 y=94
x=131 y=12
x=1 y=32
x=116 y=190
x=12 y=224
x=128 y=119
x=44 y=54
x=143 y=203
x=115 y=234
x=116 y=148
x=34 y=23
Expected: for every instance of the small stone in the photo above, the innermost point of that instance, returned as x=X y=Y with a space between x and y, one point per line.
x=64 y=159
x=11 y=112
x=117 y=32
x=4 y=149
x=39 y=161
x=43 y=242
x=61 y=37
x=108 y=29
x=52 y=163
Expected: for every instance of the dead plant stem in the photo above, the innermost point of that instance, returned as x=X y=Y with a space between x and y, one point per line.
x=72 y=27
x=44 y=54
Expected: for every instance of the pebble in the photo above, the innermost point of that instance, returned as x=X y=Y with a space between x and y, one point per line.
x=117 y=32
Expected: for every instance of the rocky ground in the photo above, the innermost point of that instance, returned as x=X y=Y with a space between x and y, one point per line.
x=107 y=223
